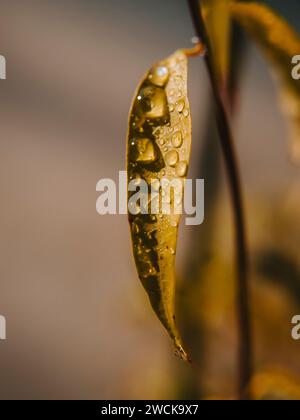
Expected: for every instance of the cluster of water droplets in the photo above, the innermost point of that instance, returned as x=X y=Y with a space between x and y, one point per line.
x=178 y=110
x=157 y=133
x=152 y=116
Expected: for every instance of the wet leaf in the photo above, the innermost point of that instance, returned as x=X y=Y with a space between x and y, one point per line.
x=217 y=18
x=158 y=150
x=279 y=43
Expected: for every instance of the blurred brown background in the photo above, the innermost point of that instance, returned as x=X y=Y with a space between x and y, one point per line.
x=79 y=325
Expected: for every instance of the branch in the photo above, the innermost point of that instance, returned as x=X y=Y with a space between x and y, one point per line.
x=228 y=149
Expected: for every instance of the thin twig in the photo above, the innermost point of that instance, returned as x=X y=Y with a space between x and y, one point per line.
x=227 y=144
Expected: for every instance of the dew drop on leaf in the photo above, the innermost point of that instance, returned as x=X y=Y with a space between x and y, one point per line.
x=180 y=105
x=172 y=158
x=143 y=150
x=177 y=139
x=159 y=75
x=186 y=112
x=152 y=102
x=181 y=168
x=157 y=121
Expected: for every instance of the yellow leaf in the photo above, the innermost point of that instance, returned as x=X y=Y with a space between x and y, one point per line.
x=158 y=150
x=279 y=43
x=217 y=19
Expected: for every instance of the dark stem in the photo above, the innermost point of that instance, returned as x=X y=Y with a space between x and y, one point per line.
x=228 y=149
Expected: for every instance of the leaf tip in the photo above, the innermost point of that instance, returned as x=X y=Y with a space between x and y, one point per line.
x=180 y=352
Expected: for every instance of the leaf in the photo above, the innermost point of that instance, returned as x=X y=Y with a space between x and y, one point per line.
x=279 y=43
x=217 y=19
x=158 y=150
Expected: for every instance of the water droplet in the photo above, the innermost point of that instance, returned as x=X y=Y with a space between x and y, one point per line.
x=173 y=223
x=195 y=40
x=171 y=107
x=186 y=112
x=172 y=251
x=165 y=149
x=177 y=139
x=143 y=150
x=180 y=105
x=159 y=75
x=181 y=168
x=153 y=103
x=172 y=158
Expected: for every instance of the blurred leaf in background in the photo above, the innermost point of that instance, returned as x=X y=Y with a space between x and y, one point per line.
x=216 y=14
x=279 y=43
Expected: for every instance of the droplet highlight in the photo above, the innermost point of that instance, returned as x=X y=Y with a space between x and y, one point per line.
x=159 y=75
